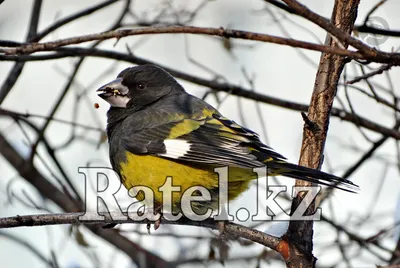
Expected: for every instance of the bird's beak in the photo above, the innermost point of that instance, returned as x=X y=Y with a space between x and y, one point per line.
x=115 y=93
x=113 y=88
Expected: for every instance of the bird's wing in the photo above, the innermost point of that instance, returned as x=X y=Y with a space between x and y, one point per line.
x=208 y=139
x=218 y=141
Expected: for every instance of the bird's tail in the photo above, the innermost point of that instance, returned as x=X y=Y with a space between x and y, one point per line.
x=283 y=168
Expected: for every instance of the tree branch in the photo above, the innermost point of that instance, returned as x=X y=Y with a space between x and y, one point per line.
x=359 y=28
x=232 y=229
x=343 y=36
x=16 y=71
x=300 y=233
x=58 y=24
x=221 y=32
x=380 y=70
x=29 y=247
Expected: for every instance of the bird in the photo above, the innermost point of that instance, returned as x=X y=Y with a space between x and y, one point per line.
x=156 y=129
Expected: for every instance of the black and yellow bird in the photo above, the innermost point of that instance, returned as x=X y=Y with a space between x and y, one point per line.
x=156 y=129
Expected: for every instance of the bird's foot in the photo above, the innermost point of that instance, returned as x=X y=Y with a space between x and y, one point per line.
x=157 y=223
x=222 y=231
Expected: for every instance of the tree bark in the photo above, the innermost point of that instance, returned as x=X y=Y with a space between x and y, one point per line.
x=300 y=233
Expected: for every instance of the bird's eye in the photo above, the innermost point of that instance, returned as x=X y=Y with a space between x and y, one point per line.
x=141 y=86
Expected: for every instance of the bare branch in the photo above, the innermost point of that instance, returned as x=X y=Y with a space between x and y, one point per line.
x=233 y=229
x=331 y=28
x=75 y=16
x=16 y=71
x=225 y=33
x=371 y=74
x=359 y=28
x=28 y=247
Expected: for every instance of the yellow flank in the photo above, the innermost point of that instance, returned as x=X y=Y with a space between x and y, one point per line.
x=152 y=171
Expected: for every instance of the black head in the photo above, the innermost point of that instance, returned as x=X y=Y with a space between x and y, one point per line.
x=137 y=87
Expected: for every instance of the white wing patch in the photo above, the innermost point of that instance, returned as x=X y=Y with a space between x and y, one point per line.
x=176 y=148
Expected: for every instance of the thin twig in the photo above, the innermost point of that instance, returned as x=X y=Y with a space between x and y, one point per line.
x=58 y=24
x=27 y=246
x=16 y=71
x=30 y=115
x=373 y=9
x=380 y=70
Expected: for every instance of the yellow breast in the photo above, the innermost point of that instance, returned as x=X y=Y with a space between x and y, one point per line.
x=152 y=171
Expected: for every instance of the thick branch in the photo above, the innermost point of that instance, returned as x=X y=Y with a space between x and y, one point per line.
x=300 y=233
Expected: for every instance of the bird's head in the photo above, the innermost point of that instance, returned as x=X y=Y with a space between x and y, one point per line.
x=138 y=86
